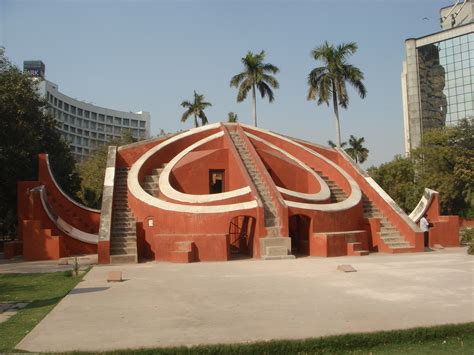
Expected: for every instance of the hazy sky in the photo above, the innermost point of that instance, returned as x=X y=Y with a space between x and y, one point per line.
x=151 y=55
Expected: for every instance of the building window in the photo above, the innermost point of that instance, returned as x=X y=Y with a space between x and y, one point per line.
x=118 y=120
x=101 y=136
x=101 y=118
x=108 y=129
x=216 y=181
x=55 y=102
x=79 y=122
x=66 y=107
x=60 y=104
x=79 y=111
x=86 y=114
x=110 y=119
x=142 y=124
x=134 y=123
x=85 y=124
x=93 y=125
x=94 y=116
x=73 y=110
x=126 y=122
x=100 y=127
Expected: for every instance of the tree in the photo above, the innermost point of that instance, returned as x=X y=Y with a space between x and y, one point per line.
x=27 y=130
x=92 y=171
x=334 y=145
x=356 y=150
x=195 y=108
x=256 y=75
x=445 y=163
x=329 y=81
x=232 y=117
x=398 y=179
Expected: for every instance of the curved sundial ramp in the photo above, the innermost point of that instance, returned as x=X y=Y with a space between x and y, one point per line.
x=182 y=202
x=76 y=214
x=61 y=224
x=172 y=193
x=323 y=194
x=355 y=194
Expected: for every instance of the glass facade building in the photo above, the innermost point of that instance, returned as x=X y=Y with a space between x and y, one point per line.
x=446 y=71
x=437 y=81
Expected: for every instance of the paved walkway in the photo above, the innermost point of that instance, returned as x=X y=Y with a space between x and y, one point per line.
x=14 y=266
x=164 y=304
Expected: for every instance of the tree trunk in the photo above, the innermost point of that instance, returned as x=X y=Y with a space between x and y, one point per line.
x=336 y=116
x=254 y=106
x=196 y=123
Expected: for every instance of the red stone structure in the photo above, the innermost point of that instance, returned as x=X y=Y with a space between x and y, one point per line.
x=216 y=191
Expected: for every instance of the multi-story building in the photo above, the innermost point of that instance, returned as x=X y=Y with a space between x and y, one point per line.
x=438 y=75
x=86 y=126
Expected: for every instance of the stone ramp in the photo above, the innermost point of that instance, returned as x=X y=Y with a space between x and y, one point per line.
x=165 y=304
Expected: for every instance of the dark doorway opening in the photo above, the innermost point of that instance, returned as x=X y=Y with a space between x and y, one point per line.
x=241 y=236
x=216 y=181
x=299 y=233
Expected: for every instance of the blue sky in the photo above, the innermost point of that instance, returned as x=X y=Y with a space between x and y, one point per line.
x=151 y=55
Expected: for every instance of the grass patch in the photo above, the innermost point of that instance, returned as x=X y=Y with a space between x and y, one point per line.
x=41 y=291
x=445 y=339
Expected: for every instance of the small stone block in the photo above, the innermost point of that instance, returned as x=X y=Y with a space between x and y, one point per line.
x=19 y=305
x=114 y=276
x=63 y=262
x=346 y=268
x=438 y=246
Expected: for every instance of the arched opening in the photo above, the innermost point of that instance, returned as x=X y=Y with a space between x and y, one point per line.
x=299 y=233
x=241 y=236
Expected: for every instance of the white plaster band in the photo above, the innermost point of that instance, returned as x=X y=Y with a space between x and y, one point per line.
x=62 y=225
x=137 y=191
x=168 y=190
x=354 y=197
x=322 y=195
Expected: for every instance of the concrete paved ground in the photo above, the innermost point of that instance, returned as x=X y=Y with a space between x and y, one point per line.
x=164 y=304
x=11 y=266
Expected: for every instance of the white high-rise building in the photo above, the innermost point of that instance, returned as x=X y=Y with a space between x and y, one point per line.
x=86 y=126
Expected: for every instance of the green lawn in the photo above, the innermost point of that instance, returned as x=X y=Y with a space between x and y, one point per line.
x=41 y=291
x=446 y=339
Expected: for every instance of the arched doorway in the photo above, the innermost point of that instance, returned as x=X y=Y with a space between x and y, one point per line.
x=299 y=233
x=241 y=236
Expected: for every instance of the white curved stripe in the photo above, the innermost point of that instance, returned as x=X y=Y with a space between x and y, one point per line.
x=137 y=191
x=168 y=190
x=353 y=199
x=323 y=194
x=63 y=193
x=62 y=225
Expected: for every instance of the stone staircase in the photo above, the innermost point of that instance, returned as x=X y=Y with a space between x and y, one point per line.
x=275 y=246
x=388 y=233
x=150 y=182
x=123 y=238
x=337 y=194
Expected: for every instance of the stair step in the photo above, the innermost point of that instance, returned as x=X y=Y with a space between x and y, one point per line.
x=123 y=259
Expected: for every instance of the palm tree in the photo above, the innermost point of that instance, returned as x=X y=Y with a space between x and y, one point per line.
x=256 y=75
x=330 y=80
x=333 y=145
x=232 y=117
x=356 y=150
x=196 y=108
